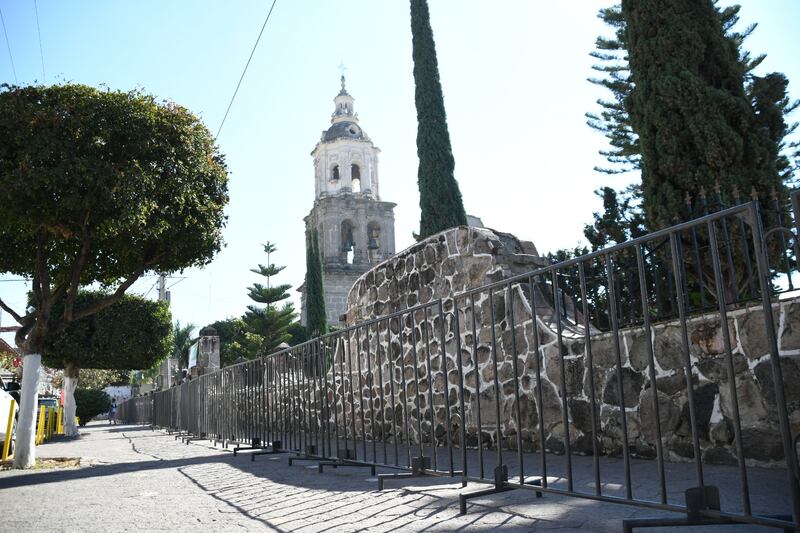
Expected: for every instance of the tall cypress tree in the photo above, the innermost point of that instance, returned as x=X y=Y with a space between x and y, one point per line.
x=767 y=95
x=695 y=121
x=439 y=195
x=316 y=316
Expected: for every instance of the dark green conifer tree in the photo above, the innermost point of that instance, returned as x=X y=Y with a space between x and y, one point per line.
x=316 y=316
x=696 y=123
x=439 y=195
x=689 y=107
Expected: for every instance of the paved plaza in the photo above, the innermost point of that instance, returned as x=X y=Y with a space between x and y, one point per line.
x=133 y=479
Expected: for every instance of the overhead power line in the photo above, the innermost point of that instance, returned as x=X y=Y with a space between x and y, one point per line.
x=8 y=45
x=39 y=31
x=253 y=51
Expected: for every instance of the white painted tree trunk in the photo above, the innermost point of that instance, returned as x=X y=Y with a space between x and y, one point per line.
x=70 y=427
x=25 y=450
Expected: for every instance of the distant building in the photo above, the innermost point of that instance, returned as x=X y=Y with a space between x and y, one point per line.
x=356 y=228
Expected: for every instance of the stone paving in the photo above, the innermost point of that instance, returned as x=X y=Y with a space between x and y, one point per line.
x=135 y=479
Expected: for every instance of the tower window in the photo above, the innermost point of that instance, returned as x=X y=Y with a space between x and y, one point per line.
x=335 y=173
x=373 y=241
x=355 y=176
x=348 y=242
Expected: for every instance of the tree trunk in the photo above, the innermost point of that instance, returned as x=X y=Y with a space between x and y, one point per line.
x=25 y=451
x=71 y=371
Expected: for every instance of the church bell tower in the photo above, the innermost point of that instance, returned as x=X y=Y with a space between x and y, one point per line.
x=356 y=228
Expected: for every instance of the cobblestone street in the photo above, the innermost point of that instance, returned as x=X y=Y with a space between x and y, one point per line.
x=135 y=479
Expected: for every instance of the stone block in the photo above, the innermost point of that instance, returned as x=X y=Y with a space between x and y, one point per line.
x=791 y=378
x=715 y=368
x=707 y=338
x=668 y=413
x=551 y=403
x=790 y=337
x=753 y=334
x=573 y=372
x=632 y=382
x=581 y=414
x=603 y=353
x=668 y=347
x=638 y=350
x=762 y=444
x=704 y=396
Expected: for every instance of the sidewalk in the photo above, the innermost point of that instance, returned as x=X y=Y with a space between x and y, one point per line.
x=133 y=479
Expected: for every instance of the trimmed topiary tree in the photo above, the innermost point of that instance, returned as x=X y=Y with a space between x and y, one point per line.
x=91 y=402
x=132 y=334
x=97 y=186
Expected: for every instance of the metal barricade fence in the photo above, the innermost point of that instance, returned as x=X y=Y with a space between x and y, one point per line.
x=495 y=385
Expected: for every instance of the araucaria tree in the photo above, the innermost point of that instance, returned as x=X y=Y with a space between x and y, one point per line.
x=97 y=187
x=316 y=316
x=131 y=334
x=269 y=323
x=439 y=196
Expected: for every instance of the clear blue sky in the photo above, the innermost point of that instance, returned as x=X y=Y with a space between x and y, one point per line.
x=513 y=73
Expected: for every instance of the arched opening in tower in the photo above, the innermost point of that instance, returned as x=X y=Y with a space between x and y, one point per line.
x=355 y=177
x=374 y=241
x=348 y=246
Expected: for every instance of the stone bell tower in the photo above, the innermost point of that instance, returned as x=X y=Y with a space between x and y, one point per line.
x=356 y=229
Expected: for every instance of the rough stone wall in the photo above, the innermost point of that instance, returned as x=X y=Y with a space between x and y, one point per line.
x=464 y=258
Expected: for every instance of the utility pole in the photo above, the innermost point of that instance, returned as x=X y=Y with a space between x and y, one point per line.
x=165 y=371
x=162 y=288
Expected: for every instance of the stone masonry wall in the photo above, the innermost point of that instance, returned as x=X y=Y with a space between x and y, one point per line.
x=463 y=258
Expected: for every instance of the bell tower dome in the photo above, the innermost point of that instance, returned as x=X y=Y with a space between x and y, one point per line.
x=345 y=160
x=356 y=228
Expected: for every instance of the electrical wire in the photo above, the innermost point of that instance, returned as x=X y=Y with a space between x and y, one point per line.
x=179 y=280
x=39 y=31
x=253 y=51
x=8 y=44
x=151 y=289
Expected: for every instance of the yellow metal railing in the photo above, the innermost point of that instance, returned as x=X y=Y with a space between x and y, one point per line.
x=9 y=428
x=50 y=423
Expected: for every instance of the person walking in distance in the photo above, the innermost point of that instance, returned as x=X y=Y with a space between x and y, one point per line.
x=112 y=415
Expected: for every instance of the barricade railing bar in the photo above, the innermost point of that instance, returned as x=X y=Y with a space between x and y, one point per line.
x=498 y=385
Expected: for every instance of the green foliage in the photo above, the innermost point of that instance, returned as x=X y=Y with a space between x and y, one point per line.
x=266 y=294
x=235 y=342
x=695 y=122
x=317 y=318
x=132 y=334
x=439 y=196
x=181 y=342
x=613 y=120
x=622 y=219
x=299 y=333
x=266 y=327
x=701 y=118
x=96 y=378
x=100 y=186
x=89 y=403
